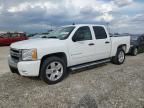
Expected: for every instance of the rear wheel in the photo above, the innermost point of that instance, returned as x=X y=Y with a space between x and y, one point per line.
x=53 y=70
x=134 y=51
x=120 y=57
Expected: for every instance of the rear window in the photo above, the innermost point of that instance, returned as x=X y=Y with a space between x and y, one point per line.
x=99 y=32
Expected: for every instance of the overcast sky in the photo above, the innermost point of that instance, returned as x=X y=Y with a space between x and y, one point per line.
x=38 y=15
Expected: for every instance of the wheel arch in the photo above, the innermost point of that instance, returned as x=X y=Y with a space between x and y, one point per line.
x=123 y=46
x=61 y=55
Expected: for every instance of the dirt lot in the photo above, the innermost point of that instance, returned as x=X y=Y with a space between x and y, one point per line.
x=107 y=86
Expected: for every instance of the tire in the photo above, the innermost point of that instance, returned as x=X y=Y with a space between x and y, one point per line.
x=53 y=70
x=134 y=51
x=14 y=70
x=120 y=57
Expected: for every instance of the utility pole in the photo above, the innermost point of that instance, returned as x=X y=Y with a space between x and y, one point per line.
x=108 y=26
x=51 y=27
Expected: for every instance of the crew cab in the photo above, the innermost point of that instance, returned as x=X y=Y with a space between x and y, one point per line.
x=9 y=38
x=137 y=44
x=68 y=47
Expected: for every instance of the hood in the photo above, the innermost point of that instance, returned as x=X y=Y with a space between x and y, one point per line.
x=36 y=43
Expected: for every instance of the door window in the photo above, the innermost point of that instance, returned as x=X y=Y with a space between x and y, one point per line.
x=82 y=34
x=13 y=35
x=99 y=32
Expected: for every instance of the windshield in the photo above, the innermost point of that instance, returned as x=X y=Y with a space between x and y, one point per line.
x=61 y=33
x=5 y=35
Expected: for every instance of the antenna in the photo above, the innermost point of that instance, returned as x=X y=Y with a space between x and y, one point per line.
x=51 y=26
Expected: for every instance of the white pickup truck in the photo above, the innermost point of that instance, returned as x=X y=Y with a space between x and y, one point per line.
x=69 y=47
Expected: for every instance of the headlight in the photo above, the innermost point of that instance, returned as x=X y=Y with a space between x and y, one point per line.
x=29 y=54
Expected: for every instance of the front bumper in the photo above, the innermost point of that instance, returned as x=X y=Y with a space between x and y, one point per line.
x=25 y=68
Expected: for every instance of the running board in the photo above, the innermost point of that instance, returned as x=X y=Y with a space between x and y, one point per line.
x=89 y=64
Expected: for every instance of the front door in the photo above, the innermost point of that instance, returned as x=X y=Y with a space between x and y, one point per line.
x=82 y=47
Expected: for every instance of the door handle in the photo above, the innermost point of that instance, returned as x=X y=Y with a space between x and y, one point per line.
x=91 y=44
x=107 y=42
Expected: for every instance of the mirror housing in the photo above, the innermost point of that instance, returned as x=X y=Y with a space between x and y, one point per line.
x=78 y=38
x=43 y=37
x=74 y=39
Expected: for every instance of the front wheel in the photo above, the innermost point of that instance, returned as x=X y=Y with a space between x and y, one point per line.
x=120 y=57
x=53 y=70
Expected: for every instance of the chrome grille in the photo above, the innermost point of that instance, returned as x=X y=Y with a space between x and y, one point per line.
x=15 y=54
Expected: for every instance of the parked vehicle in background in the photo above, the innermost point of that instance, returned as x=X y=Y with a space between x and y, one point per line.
x=137 y=44
x=73 y=47
x=38 y=35
x=8 y=38
x=41 y=35
x=31 y=35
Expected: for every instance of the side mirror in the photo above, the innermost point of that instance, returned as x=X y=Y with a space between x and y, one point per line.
x=79 y=37
x=43 y=37
x=75 y=38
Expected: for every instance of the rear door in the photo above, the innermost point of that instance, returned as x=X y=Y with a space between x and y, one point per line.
x=16 y=37
x=13 y=37
x=21 y=36
x=102 y=43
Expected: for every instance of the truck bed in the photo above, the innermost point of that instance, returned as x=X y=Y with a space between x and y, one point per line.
x=122 y=40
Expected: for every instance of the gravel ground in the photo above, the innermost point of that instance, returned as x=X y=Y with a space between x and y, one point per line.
x=105 y=86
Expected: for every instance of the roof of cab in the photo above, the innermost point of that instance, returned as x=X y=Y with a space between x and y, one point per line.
x=79 y=25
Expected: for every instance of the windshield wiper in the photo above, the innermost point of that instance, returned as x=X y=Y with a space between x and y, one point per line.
x=44 y=37
x=52 y=37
